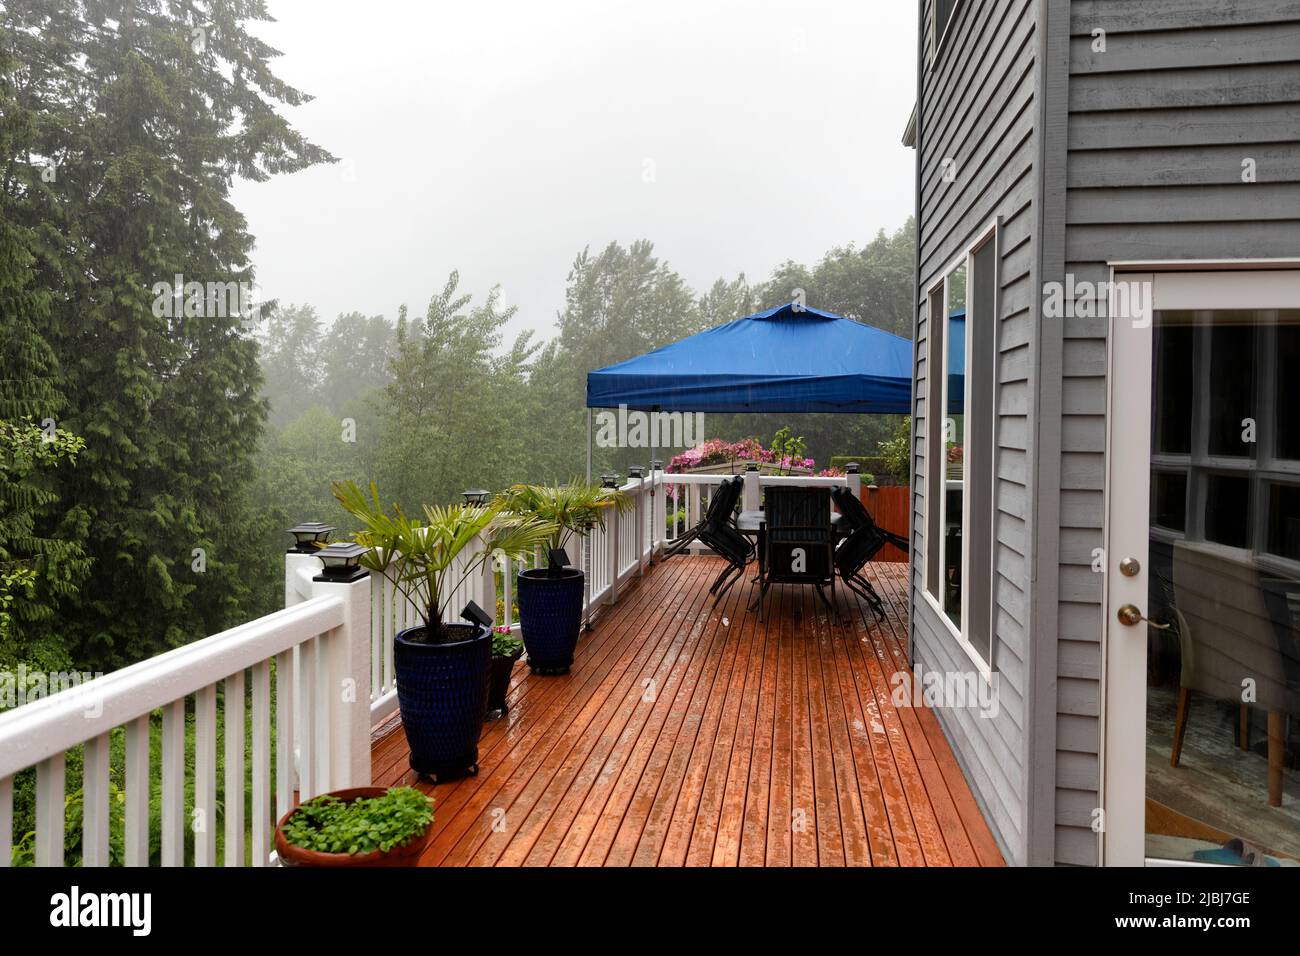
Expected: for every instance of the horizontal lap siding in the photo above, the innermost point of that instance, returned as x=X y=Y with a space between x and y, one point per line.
x=979 y=110
x=1159 y=125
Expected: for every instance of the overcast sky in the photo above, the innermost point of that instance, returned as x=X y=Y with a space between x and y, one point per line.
x=499 y=137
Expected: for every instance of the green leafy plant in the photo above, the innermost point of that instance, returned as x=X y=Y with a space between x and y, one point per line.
x=505 y=644
x=788 y=451
x=572 y=509
x=330 y=825
x=420 y=558
x=897 y=451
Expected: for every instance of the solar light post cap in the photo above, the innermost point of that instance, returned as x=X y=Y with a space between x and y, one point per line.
x=309 y=536
x=852 y=468
x=342 y=563
x=476 y=496
x=609 y=481
x=636 y=471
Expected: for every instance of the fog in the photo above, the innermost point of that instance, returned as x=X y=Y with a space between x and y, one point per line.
x=500 y=137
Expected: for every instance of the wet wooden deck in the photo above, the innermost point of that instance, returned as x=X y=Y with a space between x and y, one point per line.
x=686 y=735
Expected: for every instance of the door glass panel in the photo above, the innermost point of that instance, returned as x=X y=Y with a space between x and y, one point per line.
x=954 y=442
x=1223 y=674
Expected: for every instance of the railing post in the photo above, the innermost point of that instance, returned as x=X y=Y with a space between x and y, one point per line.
x=657 y=522
x=854 y=479
x=611 y=540
x=752 y=495
x=639 y=515
x=347 y=695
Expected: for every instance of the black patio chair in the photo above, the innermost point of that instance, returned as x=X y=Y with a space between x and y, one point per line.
x=798 y=541
x=719 y=532
x=860 y=546
x=721 y=504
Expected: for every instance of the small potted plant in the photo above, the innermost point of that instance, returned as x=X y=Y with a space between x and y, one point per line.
x=506 y=649
x=363 y=826
x=442 y=669
x=550 y=598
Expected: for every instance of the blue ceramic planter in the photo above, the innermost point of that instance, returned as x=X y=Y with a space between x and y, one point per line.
x=550 y=615
x=442 y=691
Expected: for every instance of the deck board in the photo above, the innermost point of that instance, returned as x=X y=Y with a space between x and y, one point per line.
x=689 y=735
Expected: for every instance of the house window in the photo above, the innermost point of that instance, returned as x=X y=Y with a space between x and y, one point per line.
x=1226 y=444
x=961 y=364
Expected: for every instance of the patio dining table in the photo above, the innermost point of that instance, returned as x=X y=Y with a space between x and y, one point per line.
x=754 y=524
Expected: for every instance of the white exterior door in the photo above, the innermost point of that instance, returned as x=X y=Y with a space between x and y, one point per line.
x=1201 y=610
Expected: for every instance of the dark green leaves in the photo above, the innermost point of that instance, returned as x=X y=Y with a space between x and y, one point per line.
x=326 y=824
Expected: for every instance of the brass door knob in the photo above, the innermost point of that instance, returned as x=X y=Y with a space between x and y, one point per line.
x=1129 y=615
x=1130 y=567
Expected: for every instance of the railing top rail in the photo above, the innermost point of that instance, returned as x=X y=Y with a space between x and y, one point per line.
x=34 y=732
x=716 y=478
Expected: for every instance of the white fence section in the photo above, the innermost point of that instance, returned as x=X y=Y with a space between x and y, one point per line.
x=296 y=681
x=298 y=692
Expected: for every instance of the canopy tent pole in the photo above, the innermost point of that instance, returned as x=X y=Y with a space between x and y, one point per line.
x=588 y=445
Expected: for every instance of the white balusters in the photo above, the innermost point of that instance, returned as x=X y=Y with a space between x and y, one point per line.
x=96 y=805
x=49 y=811
x=285 y=781
x=261 y=835
x=6 y=821
x=232 y=716
x=173 y=784
x=136 y=828
x=204 y=822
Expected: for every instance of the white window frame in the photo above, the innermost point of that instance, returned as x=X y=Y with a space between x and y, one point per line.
x=967 y=258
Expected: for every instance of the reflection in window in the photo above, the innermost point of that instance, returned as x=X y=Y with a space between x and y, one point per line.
x=1232 y=377
x=1169 y=500
x=1227 y=510
x=1223 y=689
x=954 y=434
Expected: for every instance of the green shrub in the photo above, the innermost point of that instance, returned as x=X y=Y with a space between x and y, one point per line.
x=329 y=825
x=897 y=451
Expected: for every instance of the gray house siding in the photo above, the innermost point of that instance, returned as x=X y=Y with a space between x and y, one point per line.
x=976 y=106
x=1158 y=127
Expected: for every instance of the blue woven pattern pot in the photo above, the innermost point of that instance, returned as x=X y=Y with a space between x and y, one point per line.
x=550 y=614
x=442 y=692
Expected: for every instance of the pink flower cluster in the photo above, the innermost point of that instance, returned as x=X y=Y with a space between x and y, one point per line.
x=715 y=451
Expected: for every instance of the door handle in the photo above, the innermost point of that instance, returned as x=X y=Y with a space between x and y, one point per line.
x=1129 y=615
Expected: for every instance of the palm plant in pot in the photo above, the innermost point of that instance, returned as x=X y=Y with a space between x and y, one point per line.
x=442 y=669
x=550 y=598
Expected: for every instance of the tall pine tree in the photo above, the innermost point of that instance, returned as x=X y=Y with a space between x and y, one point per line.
x=149 y=109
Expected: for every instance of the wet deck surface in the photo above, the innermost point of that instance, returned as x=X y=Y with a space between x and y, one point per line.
x=688 y=735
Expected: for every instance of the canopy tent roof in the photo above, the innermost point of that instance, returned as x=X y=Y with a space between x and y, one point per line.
x=787 y=359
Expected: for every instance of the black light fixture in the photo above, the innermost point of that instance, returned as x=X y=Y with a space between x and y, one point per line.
x=342 y=562
x=476 y=615
x=609 y=481
x=635 y=471
x=476 y=496
x=656 y=464
x=751 y=466
x=851 y=468
x=310 y=536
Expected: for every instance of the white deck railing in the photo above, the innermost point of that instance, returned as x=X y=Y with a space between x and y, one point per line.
x=308 y=684
x=309 y=681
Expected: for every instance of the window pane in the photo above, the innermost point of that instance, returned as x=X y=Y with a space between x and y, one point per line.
x=1169 y=500
x=1172 y=420
x=1287 y=400
x=1284 y=521
x=1227 y=509
x=954 y=441
x=1232 y=379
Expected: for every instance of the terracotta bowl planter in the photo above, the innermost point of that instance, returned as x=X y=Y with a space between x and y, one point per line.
x=408 y=855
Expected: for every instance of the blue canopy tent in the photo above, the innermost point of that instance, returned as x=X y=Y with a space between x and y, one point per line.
x=787 y=359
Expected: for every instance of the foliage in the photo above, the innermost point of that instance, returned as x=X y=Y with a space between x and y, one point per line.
x=572 y=509
x=327 y=824
x=505 y=644
x=144 y=113
x=422 y=559
x=784 y=453
x=897 y=451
